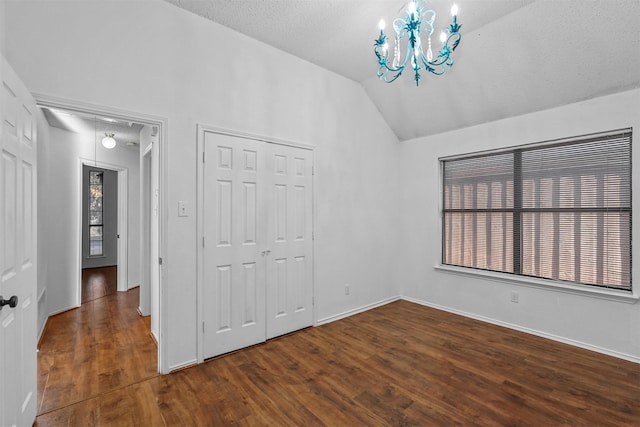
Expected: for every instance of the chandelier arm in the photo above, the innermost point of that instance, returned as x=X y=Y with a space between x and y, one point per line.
x=444 y=56
x=399 y=26
x=428 y=18
x=439 y=61
x=438 y=71
x=383 y=60
x=429 y=65
x=384 y=76
x=384 y=64
x=439 y=68
x=384 y=68
x=456 y=40
x=383 y=72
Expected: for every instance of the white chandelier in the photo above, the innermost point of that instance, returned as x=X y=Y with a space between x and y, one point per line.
x=417 y=18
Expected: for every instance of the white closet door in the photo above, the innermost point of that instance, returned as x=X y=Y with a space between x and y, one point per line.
x=234 y=276
x=18 y=260
x=257 y=242
x=289 y=264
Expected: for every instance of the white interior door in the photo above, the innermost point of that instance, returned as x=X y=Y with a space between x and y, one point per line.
x=257 y=244
x=18 y=252
x=234 y=276
x=289 y=267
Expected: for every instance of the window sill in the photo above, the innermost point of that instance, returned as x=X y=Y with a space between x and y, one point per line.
x=551 y=285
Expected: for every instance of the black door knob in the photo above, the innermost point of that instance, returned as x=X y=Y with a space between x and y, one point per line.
x=11 y=302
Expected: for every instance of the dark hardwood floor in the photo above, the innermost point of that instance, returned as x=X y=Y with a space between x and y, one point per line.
x=397 y=365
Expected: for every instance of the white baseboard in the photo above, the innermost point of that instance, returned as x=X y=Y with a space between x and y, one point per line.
x=348 y=313
x=41 y=331
x=183 y=365
x=46 y=318
x=553 y=337
x=44 y=326
x=62 y=310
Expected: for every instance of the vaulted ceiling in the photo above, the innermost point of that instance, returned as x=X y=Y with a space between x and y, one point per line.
x=515 y=57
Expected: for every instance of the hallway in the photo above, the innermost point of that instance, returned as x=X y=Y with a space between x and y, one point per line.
x=102 y=346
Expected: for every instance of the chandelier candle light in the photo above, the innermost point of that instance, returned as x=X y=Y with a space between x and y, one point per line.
x=417 y=16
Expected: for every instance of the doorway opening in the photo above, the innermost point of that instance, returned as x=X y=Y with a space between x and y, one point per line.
x=152 y=218
x=100 y=233
x=110 y=226
x=143 y=258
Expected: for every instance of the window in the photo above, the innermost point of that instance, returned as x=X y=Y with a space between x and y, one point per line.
x=95 y=213
x=559 y=210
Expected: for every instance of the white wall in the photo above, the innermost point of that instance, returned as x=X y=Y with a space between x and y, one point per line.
x=58 y=192
x=607 y=326
x=2 y=29
x=154 y=58
x=144 y=226
x=131 y=158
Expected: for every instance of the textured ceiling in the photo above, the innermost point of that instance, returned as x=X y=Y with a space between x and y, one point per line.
x=516 y=56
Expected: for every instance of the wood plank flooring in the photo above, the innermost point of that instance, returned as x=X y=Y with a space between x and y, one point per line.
x=397 y=365
x=98 y=282
x=101 y=346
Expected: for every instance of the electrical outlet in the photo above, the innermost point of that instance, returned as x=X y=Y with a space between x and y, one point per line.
x=347 y=289
x=515 y=297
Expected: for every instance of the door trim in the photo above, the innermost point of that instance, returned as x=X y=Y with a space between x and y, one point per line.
x=163 y=132
x=201 y=129
x=256 y=137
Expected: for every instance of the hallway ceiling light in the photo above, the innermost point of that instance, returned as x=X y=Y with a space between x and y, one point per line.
x=417 y=18
x=108 y=141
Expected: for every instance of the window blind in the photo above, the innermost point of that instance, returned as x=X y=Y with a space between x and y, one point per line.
x=558 y=211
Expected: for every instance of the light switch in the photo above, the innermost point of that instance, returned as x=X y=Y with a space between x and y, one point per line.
x=183 y=208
